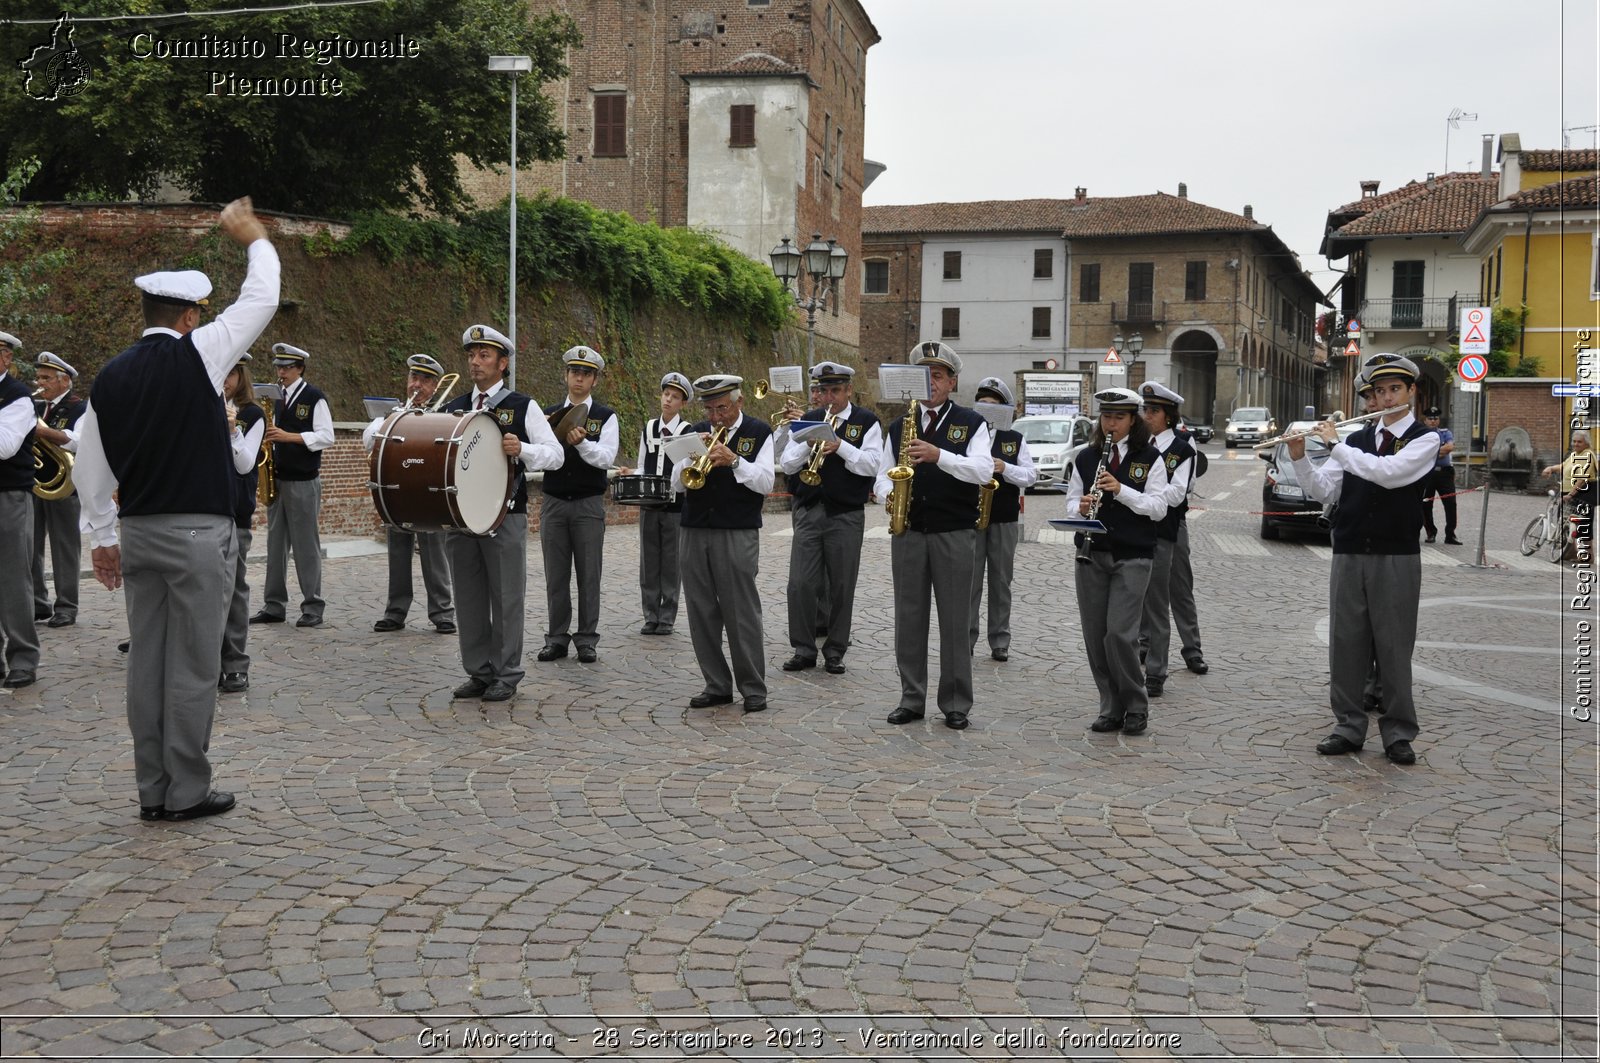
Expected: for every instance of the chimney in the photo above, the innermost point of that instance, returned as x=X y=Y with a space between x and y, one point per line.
x=1429 y=182
x=1369 y=189
x=1183 y=190
x=1488 y=155
x=1249 y=212
x=1081 y=193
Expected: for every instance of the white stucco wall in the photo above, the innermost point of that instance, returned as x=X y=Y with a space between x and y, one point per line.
x=996 y=294
x=747 y=195
x=1450 y=270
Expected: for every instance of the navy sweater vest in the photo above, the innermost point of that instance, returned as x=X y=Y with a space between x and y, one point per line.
x=293 y=461
x=245 y=484
x=654 y=462
x=577 y=478
x=1006 y=506
x=840 y=488
x=16 y=472
x=1127 y=534
x=1380 y=520
x=939 y=501
x=1181 y=450
x=725 y=502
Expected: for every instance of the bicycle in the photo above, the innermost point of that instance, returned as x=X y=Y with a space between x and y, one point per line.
x=1549 y=531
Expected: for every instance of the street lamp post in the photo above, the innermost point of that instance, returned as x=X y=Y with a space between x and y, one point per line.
x=513 y=65
x=1129 y=348
x=825 y=264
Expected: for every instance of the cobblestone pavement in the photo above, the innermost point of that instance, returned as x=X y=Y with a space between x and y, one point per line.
x=595 y=870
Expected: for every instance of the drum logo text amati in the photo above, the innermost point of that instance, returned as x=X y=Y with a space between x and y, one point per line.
x=466 y=452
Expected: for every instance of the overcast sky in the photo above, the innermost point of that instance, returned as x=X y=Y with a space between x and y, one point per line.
x=1283 y=105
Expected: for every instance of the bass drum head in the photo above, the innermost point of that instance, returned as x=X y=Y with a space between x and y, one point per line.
x=481 y=480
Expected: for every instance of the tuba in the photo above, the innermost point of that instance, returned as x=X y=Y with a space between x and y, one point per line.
x=899 y=504
x=52 y=467
x=695 y=473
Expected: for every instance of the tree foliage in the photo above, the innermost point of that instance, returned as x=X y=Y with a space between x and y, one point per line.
x=21 y=288
x=392 y=138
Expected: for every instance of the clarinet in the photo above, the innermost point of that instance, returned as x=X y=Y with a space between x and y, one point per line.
x=1095 y=495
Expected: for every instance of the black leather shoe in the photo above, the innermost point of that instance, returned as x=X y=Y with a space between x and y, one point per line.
x=499 y=691
x=552 y=653
x=1134 y=725
x=956 y=721
x=798 y=663
x=587 y=655
x=265 y=617
x=1154 y=687
x=1106 y=723
x=648 y=629
x=216 y=801
x=1429 y=539
x=15 y=680
x=1000 y=655
x=388 y=624
x=61 y=620
x=1197 y=665
x=904 y=715
x=662 y=630
x=1451 y=540
x=705 y=701
x=151 y=812
x=445 y=627
x=835 y=666
x=309 y=621
x=122 y=647
x=1400 y=752
x=234 y=682
x=1337 y=745
x=472 y=688
x=755 y=706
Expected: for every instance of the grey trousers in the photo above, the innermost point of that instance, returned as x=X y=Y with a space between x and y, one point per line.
x=17 y=628
x=236 y=635
x=292 y=527
x=659 y=575
x=177 y=570
x=720 y=566
x=825 y=553
x=572 y=534
x=1372 y=618
x=435 y=574
x=491 y=582
x=1110 y=604
x=994 y=551
x=1156 y=626
x=1180 y=584
x=929 y=567
x=56 y=524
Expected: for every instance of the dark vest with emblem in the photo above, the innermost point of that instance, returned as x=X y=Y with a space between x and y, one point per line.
x=16 y=472
x=292 y=461
x=840 y=488
x=725 y=502
x=1181 y=450
x=1127 y=535
x=1380 y=520
x=160 y=470
x=939 y=501
x=577 y=478
x=64 y=414
x=245 y=483
x=1006 y=506
x=654 y=462
x=511 y=410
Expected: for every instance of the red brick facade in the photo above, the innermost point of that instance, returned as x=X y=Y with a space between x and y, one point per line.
x=890 y=320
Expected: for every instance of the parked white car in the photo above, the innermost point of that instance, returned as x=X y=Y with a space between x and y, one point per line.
x=1049 y=438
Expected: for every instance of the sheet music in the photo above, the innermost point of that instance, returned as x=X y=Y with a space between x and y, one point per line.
x=273 y=393
x=684 y=448
x=786 y=379
x=812 y=432
x=902 y=383
x=379 y=407
x=999 y=417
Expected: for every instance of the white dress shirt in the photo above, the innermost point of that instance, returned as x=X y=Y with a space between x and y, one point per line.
x=321 y=435
x=220 y=343
x=71 y=445
x=600 y=453
x=1024 y=474
x=543 y=452
x=1181 y=479
x=16 y=421
x=976 y=466
x=1147 y=501
x=246 y=446
x=862 y=460
x=1414 y=461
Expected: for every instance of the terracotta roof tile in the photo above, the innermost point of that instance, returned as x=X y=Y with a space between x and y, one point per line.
x=750 y=64
x=1150 y=215
x=1368 y=204
x=1094 y=216
x=1573 y=192
x=1447 y=205
x=989 y=216
x=1573 y=160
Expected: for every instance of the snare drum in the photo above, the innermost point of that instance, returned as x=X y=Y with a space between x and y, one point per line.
x=641 y=491
x=441 y=472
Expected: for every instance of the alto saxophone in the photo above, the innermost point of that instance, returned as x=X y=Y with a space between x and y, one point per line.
x=1095 y=495
x=901 y=474
x=267 y=484
x=695 y=473
x=986 y=502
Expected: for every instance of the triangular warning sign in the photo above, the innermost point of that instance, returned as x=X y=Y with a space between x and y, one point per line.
x=1352 y=349
x=1112 y=357
x=1474 y=335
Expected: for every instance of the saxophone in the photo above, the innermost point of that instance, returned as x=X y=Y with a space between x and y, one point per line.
x=986 y=502
x=901 y=474
x=1095 y=496
x=267 y=484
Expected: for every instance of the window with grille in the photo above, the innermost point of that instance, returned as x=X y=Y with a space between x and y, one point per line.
x=877 y=277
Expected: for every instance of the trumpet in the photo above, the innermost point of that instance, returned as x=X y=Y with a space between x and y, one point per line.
x=1307 y=433
x=902 y=473
x=791 y=409
x=811 y=475
x=695 y=473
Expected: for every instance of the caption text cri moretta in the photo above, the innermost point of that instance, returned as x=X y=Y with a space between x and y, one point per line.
x=288 y=47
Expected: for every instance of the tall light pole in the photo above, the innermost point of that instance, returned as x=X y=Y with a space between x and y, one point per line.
x=825 y=264
x=513 y=65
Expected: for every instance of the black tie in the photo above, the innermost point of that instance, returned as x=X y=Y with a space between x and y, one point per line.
x=1116 y=460
x=933 y=419
x=481 y=398
x=1385 y=441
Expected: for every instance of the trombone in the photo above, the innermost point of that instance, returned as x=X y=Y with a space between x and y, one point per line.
x=791 y=410
x=1309 y=432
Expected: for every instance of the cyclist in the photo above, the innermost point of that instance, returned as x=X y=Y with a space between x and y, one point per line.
x=1578 y=483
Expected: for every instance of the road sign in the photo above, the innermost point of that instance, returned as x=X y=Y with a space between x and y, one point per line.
x=1475 y=330
x=1471 y=386
x=1050 y=363
x=1575 y=391
x=1353 y=327
x=1473 y=368
x=1352 y=349
x=1112 y=357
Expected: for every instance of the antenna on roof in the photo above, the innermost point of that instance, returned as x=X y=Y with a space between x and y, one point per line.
x=1453 y=121
x=1566 y=140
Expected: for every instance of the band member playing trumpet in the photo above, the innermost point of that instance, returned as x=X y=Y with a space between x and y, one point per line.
x=949 y=450
x=422 y=383
x=302 y=428
x=1119 y=479
x=572 y=517
x=721 y=544
x=491 y=572
x=830 y=483
x=55 y=520
x=995 y=546
x=1177 y=452
x=247 y=426
x=659 y=575
x=19 y=656
x=1377 y=478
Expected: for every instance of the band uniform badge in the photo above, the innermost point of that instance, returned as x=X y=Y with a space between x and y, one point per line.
x=957 y=433
x=505 y=416
x=302 y=411
x=746 y=447
x=852 y=432
x=1138 y=471
x=591 y=428
x=477 y=332
x=1008 y=450
x=1172 y=461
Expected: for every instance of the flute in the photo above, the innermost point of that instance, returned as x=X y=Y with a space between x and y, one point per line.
x=1309 y=432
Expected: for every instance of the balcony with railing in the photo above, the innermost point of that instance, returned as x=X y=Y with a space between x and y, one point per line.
x=1139 y=313
x=1385 y=315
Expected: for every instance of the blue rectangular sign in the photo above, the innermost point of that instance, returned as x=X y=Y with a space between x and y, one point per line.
x=1574 y=391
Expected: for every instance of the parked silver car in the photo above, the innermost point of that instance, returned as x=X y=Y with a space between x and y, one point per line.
x=1049 y=438
x=1249 y=424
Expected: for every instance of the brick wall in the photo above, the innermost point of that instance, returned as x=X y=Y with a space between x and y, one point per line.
x=890 y=322
x=1526 y=402
x=189 y=217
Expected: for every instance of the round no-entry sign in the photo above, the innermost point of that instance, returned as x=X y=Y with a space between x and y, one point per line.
x=1473 y=368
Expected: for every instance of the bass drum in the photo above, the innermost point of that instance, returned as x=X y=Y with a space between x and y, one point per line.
x=641 y=490
x=441 y=472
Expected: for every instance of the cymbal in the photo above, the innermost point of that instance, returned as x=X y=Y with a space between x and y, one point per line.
x=572 y=418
